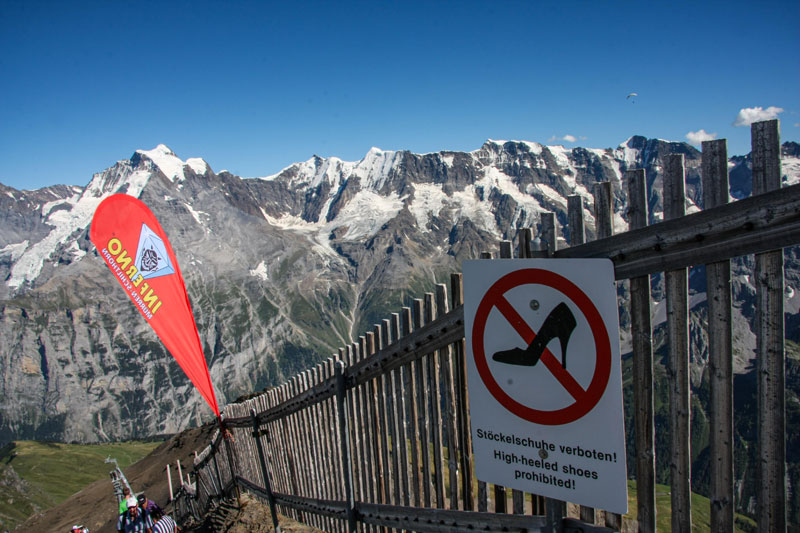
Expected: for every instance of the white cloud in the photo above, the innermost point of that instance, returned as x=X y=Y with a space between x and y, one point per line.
x=568 y=138
x=748 y=115
x=697 y=137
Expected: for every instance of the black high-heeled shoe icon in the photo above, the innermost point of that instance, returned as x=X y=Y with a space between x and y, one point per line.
x=559 y=323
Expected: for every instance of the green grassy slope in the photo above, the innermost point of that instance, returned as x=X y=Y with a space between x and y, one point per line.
x=38 y=475
x=701 y=512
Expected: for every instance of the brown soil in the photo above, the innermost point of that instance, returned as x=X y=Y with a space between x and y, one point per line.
x=96 y=507
x=245 y=515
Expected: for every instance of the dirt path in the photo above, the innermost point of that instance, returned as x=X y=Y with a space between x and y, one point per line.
x=248 y=515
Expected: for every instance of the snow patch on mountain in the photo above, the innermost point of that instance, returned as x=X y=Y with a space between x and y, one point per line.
x=629 y=155
x=67 y=223
x=790 y=166
x=195 y=214
x=429 y=199
x=364 y=215
x=467 y=204
x=198 y=165
x=15 y=249
x=49 y=206
x=375 y=167
x=169 y=164
x=291 y=223
x=261 y=271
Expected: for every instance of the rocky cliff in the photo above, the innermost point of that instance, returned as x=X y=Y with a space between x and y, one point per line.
x=282 y=270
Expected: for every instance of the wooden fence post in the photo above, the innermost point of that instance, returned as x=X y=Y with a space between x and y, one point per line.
x=220 y=486
x=604 y=227
x=448 y=399
x=422 y=419
x=344 y=439
x=265 y=471
x=577 y=235
x=499 y=490
x=720 y=349
x=770 y=349
x=412 y=377
x=400 y=383
x=555 y=509
x=462 y=400
x=641 y=330
x=677 y=283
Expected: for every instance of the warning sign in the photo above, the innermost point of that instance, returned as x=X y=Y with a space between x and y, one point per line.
x=545 y=383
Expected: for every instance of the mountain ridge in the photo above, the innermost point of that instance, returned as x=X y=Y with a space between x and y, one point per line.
x=280 y=270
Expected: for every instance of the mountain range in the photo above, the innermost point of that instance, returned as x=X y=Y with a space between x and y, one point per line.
x=282 y=270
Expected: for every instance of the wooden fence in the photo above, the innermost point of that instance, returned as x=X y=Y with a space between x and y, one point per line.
x=377 y=437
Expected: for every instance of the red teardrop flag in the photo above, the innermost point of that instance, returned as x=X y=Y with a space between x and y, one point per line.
x=134 y=246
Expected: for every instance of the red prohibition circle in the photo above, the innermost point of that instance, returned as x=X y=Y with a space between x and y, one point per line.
x=589 y=398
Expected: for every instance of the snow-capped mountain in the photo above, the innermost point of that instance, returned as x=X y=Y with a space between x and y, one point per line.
x=281 y=270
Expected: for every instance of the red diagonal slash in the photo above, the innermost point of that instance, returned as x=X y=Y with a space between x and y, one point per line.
x=549 y=360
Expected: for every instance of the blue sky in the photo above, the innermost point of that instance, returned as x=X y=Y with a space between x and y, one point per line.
x=254 y=86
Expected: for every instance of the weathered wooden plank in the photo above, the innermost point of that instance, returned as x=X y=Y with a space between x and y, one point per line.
x=524 y=238
x=449 y=402
x=435 y=408
x=556 y=510
x=345 y=447
x=305 y=444
x=761 y=223
x=505 y=249
x=313 y=425
x=400 y=444
x=517 y=496
x=603 y=210
x=604 y=229
x=327 y=462
x=368 y=459
x=422 y=419
x=499 y=491
x=382 y=426
x=354 y=407
x=334 y=446
x=641 y=331
x=393 y=467
x=462 y=402
x=577 y=235
x=770 y=349
x=289 y=439
x=720 y=349
x=410 y=373
x=677 y=301
x=549 y=238
x=374 y=427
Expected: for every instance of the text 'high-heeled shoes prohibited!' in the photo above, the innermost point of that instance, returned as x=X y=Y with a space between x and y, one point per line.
x=559 y=323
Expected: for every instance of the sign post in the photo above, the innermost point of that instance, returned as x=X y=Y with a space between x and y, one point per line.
x=545 y=380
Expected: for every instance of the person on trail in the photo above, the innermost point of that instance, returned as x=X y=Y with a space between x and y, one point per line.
x=123 y=504
x=79 y=529
x=134 y=520
x=163 y=523
x=148 y=505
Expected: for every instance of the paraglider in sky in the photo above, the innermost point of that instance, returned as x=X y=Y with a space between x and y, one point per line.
x=631 y=95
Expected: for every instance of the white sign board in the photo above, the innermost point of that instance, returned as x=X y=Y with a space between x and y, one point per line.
x=545 y=380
